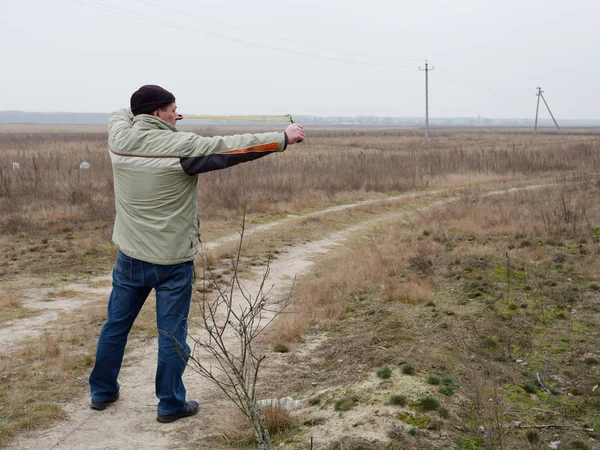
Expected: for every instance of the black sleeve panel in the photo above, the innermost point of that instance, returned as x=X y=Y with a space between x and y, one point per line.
x=208 y=163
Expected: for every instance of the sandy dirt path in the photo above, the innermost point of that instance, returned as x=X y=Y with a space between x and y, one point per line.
x=49 y=307
x=131 y=422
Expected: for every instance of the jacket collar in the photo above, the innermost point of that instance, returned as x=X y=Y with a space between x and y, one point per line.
x=147 y=121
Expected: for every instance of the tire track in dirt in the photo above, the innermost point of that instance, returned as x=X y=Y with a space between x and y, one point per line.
x=131 y=422
x=322 y=212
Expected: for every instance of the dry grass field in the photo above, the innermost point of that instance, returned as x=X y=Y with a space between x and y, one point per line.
x=489 y=306
x=469 y=322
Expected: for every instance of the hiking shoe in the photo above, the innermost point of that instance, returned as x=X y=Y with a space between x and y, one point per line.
x=99 y=406
x=189 y=409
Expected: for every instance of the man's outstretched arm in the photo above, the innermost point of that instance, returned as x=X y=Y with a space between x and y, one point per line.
x=245 y=148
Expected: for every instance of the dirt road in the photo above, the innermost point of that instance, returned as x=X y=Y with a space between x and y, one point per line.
x=131 y=422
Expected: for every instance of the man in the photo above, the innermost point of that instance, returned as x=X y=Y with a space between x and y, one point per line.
x=155 y=170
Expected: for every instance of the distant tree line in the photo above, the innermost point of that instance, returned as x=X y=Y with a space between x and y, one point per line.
x=26 y=117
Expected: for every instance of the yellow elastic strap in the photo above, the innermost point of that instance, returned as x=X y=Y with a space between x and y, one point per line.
x=264 y=118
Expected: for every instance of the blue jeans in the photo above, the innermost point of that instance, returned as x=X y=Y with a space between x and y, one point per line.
x=132 y=282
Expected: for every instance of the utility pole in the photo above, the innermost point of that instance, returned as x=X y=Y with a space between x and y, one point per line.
x=426 y=70
x=539 y=94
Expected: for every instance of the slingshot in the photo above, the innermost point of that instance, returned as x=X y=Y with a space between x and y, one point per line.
x=261 y=118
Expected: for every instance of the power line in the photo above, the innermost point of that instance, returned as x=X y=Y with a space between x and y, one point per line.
x=258 y=33
x=120 y=11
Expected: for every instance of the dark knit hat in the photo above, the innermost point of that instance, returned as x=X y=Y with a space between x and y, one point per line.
x=149 y=98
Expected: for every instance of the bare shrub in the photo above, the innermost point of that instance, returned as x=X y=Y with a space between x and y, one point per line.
x=564 y=212
x=225 y=354
x=422 y=258
x=488 y=402
x=496 y=338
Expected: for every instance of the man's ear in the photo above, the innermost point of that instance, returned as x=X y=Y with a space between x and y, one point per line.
x=155 y=113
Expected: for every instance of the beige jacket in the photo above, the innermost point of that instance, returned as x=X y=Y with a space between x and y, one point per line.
x=155 y=168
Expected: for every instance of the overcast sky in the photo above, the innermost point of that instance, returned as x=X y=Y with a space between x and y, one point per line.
x=314 y=57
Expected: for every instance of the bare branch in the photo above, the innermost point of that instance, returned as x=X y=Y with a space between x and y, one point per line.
x=231 y=320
